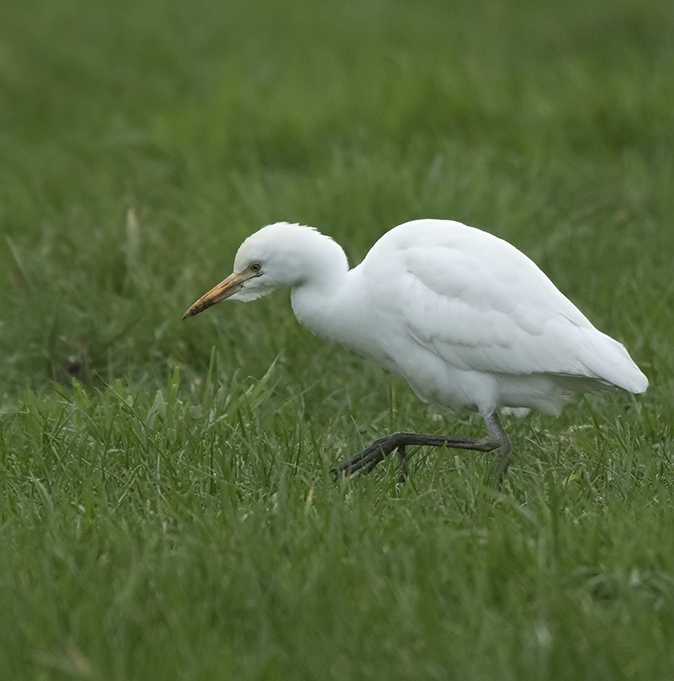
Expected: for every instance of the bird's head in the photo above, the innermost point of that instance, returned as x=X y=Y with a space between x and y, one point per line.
x=277 y=255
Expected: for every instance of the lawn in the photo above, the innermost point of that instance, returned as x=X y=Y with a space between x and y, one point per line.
x=167 y=510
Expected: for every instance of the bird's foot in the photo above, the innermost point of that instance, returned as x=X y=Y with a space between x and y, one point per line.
x=366 y=460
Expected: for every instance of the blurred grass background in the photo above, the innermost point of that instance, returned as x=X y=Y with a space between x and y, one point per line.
x=166 y=509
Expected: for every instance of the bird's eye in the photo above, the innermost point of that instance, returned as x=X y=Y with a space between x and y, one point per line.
x=255 y=267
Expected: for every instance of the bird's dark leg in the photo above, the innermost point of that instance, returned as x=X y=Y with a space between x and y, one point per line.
x=402 y=461
x=496 y=439
x=497 y=431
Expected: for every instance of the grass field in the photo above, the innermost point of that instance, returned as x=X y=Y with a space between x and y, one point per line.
x=167 y=510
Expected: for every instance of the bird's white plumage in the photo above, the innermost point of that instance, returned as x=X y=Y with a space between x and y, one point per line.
x=464 y=317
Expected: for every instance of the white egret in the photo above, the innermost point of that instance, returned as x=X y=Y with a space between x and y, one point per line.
x=467 y=319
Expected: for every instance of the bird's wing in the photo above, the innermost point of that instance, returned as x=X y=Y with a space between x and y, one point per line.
x=481 y=304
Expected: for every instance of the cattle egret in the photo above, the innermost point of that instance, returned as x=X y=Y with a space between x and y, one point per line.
x=464 y=317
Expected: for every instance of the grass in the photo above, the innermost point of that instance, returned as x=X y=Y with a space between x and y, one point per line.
x=167 y=510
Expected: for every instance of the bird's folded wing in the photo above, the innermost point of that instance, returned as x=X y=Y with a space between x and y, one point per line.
x=502 y=316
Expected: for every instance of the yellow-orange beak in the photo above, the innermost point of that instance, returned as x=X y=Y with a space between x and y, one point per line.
x=233 y=284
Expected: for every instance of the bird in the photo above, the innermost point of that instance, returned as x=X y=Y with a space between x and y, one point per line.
x=468 y=320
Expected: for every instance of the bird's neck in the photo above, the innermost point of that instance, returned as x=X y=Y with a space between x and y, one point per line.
x=318 y=301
